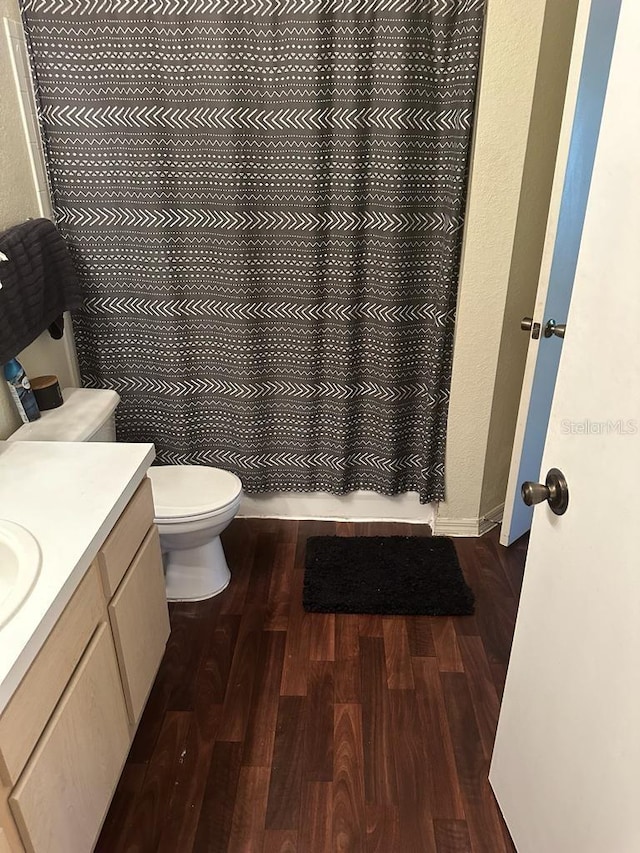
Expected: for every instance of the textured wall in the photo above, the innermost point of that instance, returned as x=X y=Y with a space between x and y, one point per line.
x=19 y=201
x=18 y=196
x=544 y=130
x=513 y=31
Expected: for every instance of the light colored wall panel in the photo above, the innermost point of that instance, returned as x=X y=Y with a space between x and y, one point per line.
x=24 y=194
x=497 y=233
x=535 y=196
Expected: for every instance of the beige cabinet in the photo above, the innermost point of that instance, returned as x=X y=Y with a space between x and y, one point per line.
x=140 y=623
x=64 y=793
x=65 y=734
x=131 y=566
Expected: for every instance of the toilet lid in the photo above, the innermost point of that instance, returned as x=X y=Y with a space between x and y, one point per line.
x=187 y=491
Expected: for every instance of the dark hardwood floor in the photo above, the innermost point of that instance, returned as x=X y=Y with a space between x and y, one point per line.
x=275 y=731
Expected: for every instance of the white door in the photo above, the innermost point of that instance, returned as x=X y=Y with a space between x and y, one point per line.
x=566 y=763
x=586 y=86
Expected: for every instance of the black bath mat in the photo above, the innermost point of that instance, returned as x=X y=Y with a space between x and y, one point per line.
x=403 y=575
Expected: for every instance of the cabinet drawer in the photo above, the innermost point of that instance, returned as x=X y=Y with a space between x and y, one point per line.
x=124 y=540
x=64 y=793
x=26 y=715
x=140 y=622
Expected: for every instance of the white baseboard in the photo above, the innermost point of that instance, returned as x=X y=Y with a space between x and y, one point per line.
x=322 y=506
x=468 y=526
x=364 y=506
x=491 y=518
x=456 y=527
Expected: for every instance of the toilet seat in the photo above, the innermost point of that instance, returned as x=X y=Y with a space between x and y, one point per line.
x=183 y=493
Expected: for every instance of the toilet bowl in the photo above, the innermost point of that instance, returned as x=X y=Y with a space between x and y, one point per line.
x=193 y=503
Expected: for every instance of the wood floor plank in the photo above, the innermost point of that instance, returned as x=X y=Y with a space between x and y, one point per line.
x=322 y=636
x=414 y=774
x=512 y=559
x=238 y=697
x=379 y=766
x=155 y=795
x=239 y=542
x=499 y=675
x=117 y=825
x=481 y=811
x=348 y=806
x=180 y=822
x=247 y=825
x=215 y=665
x=482 y=689
x=383 y=828
x=346 y=669
x=421 y=642
x=279 y=599
x=173 y=687
x=296 y=656
x=370 y=625
x=396 y=653
x=318 y=733
x=218 y=804
x=452 y=836
x=280 y=841
x=261 y=723
x=315 y=817
x=244 y=666
x=416 y=828
x=194 y=621
x=444 y=793
x=446 y=644
x=285 y=790
x=411 y=758
x=496 y=604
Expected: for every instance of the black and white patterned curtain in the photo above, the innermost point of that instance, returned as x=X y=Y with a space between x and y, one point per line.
x=265 y=203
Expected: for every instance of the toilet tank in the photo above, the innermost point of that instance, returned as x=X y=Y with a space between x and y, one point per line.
x=87 y=414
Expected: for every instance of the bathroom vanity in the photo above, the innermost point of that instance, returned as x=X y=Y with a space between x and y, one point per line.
x=77 y=661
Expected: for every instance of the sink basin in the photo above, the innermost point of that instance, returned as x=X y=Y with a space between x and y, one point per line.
x=20 y=560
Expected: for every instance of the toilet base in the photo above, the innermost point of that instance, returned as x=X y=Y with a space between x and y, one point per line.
x=195 y=574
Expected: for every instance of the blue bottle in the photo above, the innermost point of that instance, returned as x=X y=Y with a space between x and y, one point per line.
x=21 y=392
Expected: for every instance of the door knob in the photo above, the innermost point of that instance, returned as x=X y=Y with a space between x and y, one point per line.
x=553 y=328
x=554 y=491
x=527 y=325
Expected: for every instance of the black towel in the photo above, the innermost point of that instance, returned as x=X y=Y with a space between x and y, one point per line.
x=38 y=283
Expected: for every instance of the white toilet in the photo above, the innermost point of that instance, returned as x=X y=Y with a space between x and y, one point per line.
x=193 y=503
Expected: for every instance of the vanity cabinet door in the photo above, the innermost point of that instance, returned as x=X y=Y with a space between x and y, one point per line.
x=124 y=540
x=140 y=623
x=65 y=790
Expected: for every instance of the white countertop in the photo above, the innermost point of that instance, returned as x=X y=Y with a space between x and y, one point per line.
x=69 y=495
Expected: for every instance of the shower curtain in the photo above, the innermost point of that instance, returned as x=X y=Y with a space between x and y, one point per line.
x=264 y=200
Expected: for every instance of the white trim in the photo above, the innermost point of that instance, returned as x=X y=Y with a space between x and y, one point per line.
x=468 y=526
x=17 y=49
x=494 y=516
x=457 y=527
x=356 y=506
